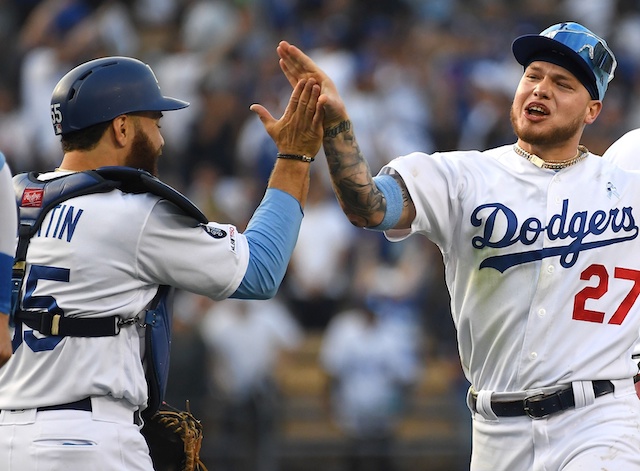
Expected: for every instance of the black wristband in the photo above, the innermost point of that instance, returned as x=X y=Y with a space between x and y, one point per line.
x=301 y=157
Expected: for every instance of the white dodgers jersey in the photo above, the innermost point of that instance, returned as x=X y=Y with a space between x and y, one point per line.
x=103 y=255
x=543 y=267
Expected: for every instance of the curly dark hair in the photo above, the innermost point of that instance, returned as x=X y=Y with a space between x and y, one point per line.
x=84 y=139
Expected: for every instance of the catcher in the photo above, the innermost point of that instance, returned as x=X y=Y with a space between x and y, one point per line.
x=102 y=243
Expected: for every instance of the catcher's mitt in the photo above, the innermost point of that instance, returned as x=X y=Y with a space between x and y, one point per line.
x=174 y=438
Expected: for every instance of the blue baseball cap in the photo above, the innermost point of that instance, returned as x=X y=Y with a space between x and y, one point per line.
x=574 y=47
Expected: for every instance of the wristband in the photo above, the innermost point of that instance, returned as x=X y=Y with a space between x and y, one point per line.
x=389 y=187
x=301 y=157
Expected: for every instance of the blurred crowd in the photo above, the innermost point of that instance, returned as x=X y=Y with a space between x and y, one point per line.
x=415 y=74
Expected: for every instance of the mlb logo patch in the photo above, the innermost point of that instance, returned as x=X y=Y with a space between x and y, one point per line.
x=32 y=198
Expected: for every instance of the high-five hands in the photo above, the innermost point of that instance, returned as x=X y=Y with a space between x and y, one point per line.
x=296 y=65
x=299 y=130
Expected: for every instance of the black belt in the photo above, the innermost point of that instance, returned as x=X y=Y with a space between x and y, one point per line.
x=543 y=405
x=82 y=404
x=85 y=405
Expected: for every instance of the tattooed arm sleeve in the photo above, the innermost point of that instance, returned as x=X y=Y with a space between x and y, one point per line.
x=360 y=198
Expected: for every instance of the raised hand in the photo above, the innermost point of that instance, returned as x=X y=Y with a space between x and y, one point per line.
x=296 y=65
x=299 y=130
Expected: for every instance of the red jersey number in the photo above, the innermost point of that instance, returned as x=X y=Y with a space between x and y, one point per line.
x=599 y=272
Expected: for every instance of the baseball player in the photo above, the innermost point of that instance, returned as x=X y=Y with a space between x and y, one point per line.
x=538 y=240
x=623 y=153
x=72 y=402
x=8 y=229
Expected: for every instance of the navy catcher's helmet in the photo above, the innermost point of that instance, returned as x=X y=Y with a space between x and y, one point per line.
x=102 y=89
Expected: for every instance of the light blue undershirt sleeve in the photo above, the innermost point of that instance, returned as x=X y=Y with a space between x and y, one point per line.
x=272 y=234
x=392 y=192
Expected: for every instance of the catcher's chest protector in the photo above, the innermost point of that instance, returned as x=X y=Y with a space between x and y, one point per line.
x=35 y=199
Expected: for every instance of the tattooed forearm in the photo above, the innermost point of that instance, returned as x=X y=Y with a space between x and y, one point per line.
x=358 y=195
x=337 y=129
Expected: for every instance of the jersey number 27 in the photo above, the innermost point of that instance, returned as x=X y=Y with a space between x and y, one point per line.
x=581 y=313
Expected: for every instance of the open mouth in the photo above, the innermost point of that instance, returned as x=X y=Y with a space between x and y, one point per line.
x=536 y=111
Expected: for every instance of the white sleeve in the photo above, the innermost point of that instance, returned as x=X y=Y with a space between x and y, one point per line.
x=433 y=181
x=174 y=249
x=624 y=152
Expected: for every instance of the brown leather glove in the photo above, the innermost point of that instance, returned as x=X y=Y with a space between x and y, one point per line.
x=174 y=438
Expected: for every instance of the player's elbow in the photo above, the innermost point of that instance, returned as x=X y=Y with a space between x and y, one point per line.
x=356 y=220
x=268 y=287
x=261 y=293
x=264 y=285
x=260 y=281
x=266 y=294
x=363 y=221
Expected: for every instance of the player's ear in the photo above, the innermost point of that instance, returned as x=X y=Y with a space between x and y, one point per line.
x=593 y=110
x=121 y=128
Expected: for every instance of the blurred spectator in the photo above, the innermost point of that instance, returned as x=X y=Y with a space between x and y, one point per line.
x=155 y=13
x=195 y=64
x=255 y=151
x=188 y=369
x=246 y=339
x=14 y=141
x=396 y=280
x=598 y=14
x=370 y=374
x=51 y=42
x=10 y=27
x=56 y=36
x=487 y=123
x=319 y=272
x=212 y=137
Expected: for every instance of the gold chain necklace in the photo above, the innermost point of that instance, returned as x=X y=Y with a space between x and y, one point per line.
x=537 y=161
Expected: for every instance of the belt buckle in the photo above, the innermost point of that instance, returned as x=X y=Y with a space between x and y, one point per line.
x=527 y=401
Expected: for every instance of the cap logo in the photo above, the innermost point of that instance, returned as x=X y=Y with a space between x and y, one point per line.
x=589 y=48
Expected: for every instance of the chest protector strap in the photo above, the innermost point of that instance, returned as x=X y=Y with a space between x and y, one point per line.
x=36 y=198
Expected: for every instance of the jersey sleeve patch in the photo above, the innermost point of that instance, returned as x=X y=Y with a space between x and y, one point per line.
x=214 y=232
x=219 y=233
